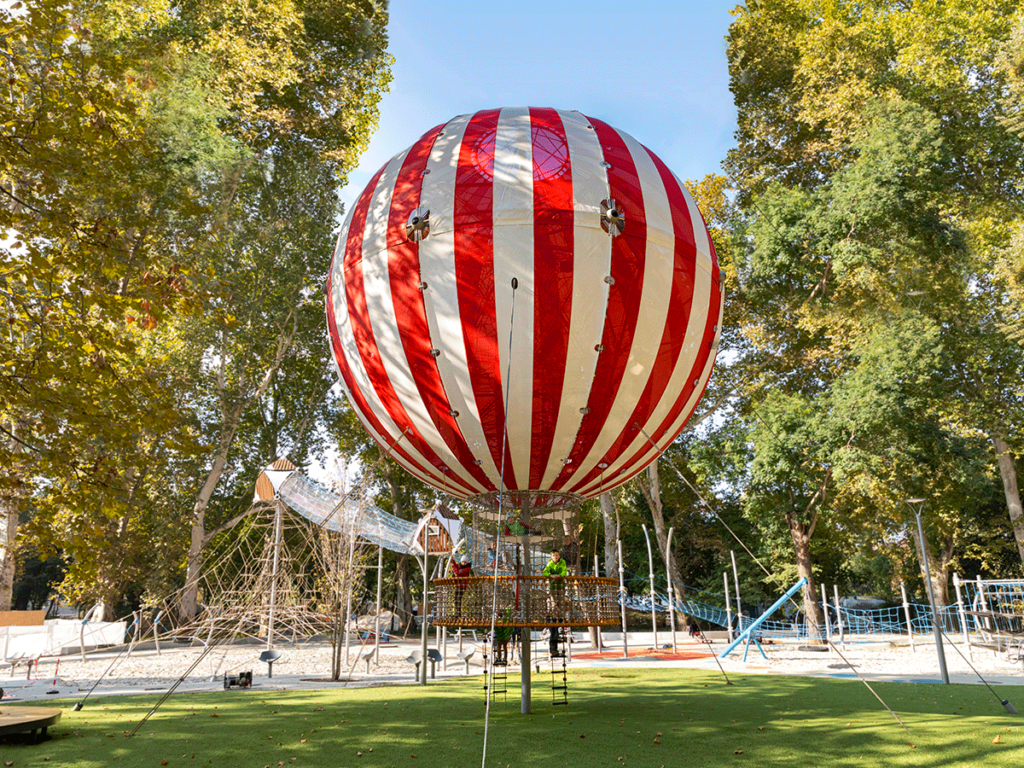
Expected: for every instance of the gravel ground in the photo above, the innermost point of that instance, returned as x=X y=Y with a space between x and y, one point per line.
x=300 y=666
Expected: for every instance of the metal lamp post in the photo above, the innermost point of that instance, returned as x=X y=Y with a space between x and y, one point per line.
x=928 y=584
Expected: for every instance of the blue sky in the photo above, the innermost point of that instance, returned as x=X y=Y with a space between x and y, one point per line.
x=656 y=70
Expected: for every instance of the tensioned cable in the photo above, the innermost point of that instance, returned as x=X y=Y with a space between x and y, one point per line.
x=772 y=577
x=501 y=501
x=1005 y=702
x=170 y=691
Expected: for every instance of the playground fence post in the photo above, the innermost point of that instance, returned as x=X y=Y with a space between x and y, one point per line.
x=156 y=630
x=376 y=620
x=906 y=614
x=839 y=615
x=650 y=575
x=736 y=582
x=671 y=586
x=983 y=594
x=728 y=605
x=824 y=610
x=963 y=615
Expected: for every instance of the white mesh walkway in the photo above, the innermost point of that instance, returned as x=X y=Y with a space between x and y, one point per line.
x=329 y=509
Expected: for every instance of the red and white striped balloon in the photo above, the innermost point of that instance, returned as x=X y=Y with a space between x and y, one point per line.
x=610 y=334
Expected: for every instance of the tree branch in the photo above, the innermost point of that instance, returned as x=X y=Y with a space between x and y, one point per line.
x=233 y=522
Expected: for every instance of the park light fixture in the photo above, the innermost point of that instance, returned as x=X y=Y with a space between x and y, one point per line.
x=919 y=504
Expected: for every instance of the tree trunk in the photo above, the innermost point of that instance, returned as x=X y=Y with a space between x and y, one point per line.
x=1008 y=471
x=651 y=488
x=8 y=534
x=611 y=561
x=10 y=506
x=198 y=539
x=230 y=419
x=801 y=534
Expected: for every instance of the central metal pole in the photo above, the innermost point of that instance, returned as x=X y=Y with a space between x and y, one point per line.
x=423 y=624
x=526 y=681
x=931 y=597
x=278 y=522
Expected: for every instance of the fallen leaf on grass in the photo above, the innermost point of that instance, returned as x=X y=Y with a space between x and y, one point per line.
x=303 y=741
x=657 y=741
x=163 y=762
x=738 y=752
x=760 y=727
x=214 y=714
x=996 y=740
x=359 y=754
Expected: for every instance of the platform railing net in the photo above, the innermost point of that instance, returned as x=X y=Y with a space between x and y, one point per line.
x=526 y=602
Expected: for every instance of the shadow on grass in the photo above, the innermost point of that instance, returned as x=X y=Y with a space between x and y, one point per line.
x=615 y=717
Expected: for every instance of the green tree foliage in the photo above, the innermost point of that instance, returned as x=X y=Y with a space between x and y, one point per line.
x=169 y=173
x=872 y=156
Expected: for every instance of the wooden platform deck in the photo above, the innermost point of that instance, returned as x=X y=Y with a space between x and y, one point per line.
x=14 y=719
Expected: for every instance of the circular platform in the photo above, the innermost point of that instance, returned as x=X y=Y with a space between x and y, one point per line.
x=26 y=719
x=528 y=601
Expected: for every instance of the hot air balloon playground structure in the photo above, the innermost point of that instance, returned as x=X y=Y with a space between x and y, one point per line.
x=524 y=307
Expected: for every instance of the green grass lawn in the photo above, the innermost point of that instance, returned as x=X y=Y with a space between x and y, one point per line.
x=636 y=717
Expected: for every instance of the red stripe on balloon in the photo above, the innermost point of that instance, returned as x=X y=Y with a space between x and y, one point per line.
x=553 y=244
x=366 y=344
x=473 y=222
x=680 y=304
x=705 y=354
x=358 y=399
x=410 y=310
x=658 y=435
x=624 y=295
